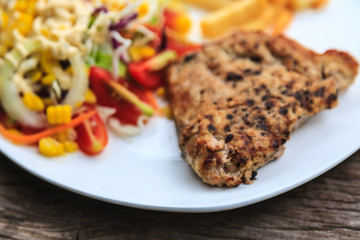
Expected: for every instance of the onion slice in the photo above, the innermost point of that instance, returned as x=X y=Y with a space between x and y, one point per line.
x=9 y=95
x=79 y=83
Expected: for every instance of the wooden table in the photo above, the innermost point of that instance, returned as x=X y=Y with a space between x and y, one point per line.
x=326 y=208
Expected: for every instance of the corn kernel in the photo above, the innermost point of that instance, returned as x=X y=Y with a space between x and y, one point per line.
x=50 y=147
x=166 y=111
x=4 y=19
x=33 y=102
x=143 y=9
x=66 y=135
x=48 y=79
x=70 y=146
x=46 y=62
x=182 y=24
x=3 y=50
x=79 y=104
x=69 y=70
x=161 y=92
x=147 y=52
x=60 y=114
x=45 y=32
x=61 y=136
x=21 y=6
x=35 y=76
x=135 y=54
x=31 y=7
x=90 y=97
x=22 y=22
x=117 y=6
x=48 y=101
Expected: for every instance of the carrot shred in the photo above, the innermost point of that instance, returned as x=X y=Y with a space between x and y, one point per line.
x=152 y=101
x=283 y=21
x=32 y=138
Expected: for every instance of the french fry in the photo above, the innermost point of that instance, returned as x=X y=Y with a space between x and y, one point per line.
x=210 y=4
x=279 y=2
x=219 y=21
x=261 y=22
x=320 y=3
x=283 y=20
x=301 y=4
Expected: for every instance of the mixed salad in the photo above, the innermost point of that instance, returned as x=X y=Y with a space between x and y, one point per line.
x=71 y=70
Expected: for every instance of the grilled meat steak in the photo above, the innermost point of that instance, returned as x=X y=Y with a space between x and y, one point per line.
x=237 y=101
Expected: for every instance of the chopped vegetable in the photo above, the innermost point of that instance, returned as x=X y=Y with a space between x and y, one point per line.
x=33 y=102
x=92 y=135
x=60 y=114
x=33 y=138
x=147 y=73
x=48 y=79
x=48 y=73
x=79 y=83
x=9 y=95
x=50 y=147
x=160 y=61
x=126 y=112
x=70 y=146
x=179 y=22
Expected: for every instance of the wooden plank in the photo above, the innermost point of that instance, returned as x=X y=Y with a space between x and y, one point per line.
x=326 y=208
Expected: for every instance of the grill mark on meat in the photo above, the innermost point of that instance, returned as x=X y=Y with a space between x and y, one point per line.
x=231 y=76
x=249 y=109
x=189 y=57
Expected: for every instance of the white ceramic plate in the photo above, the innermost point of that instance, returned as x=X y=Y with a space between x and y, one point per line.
x=148 y=172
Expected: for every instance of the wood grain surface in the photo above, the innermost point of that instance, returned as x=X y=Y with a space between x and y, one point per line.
x=326 y=208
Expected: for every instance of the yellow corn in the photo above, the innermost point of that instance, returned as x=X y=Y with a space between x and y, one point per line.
x=31 y=7
x=48 y=101
x=60 y=114
x=79 y=104
x=166 y=111
x=143 y=9
x=139 y=53
x=69 y=70
x=67 y=135
x=4 y=19
x=135 y=54
x=147 y=52
x=45 y=32
x=33 y=102
x=50 y=147
x=70 y=146
x=21 y=6
x=46 y=62
x=35 y=76
x=48 y=79
x=182 y=24
x=90 y=97
x=3 y=50
x=22 y=21
x=161 y=92
x=115 y=6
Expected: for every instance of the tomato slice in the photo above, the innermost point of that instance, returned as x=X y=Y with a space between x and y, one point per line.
x=126 y=112
x=181 y=48
x=92 y=135
x=147 y=79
